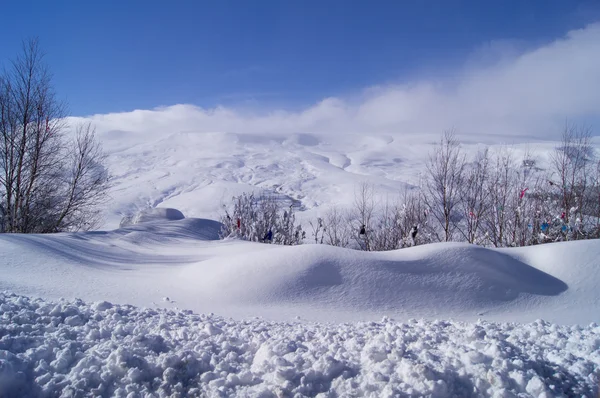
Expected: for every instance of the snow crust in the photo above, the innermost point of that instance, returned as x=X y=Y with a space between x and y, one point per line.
x=72 y=348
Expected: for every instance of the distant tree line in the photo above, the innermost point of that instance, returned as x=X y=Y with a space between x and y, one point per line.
x=495 y=200
x=51 y=180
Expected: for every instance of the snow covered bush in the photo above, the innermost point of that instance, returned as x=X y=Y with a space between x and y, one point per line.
x=263 y=218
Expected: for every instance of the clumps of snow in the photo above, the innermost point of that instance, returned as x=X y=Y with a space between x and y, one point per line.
x=151 y=215
x=70 y=348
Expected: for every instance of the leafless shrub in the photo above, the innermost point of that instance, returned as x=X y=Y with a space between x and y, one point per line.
x=442 y=187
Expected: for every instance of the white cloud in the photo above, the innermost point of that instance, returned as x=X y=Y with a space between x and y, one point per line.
x=531 y=93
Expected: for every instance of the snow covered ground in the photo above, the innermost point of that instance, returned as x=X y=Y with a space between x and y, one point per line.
x=290 y=321
x=182 y=264
x=73 y=348
x=293 y=321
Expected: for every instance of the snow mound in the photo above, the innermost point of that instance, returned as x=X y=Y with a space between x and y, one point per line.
x=71 y=348
x=185 y=261
x=423 y=281
x=75 y=255
x=152 y=215
x=188 y=228
x=303 y=139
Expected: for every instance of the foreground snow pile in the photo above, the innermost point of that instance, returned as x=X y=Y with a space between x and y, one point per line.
x=75 y=349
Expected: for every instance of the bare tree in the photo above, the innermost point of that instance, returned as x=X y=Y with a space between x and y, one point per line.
x=84 y=184
x=364 y=212
x=412 y=219
x=571 y=161
x=387 y=231
x=593 y=202
x=42 y=190
x=403 y=224
x=442 y=189
x=501 y=188
x=378 y=228
x=318 y=230
x=337 y=227
x=521 y=203
x=475 y=202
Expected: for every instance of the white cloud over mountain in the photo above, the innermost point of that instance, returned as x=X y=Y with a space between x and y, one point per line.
x=531 y=93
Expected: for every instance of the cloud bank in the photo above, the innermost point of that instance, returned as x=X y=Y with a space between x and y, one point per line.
x=528 y=94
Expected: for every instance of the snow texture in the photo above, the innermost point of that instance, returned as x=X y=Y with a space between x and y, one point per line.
x=71 y=348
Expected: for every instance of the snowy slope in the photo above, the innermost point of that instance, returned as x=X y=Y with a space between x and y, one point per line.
x=197 y=172
x=183 y=260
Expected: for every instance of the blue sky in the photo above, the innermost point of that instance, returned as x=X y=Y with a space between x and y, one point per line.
x=115 y=56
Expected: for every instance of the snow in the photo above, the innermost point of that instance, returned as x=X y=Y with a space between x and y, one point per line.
x=198 y=171
x=183 y=264
x=74 y=348
x=152 y=214
x=308 y=320
x=130 y=311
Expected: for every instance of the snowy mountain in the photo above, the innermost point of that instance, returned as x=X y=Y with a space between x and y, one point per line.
x=198 y=171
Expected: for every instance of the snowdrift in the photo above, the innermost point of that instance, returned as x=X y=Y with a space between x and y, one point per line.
x=151 y=215
x=182 y=264
x=430 y=281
